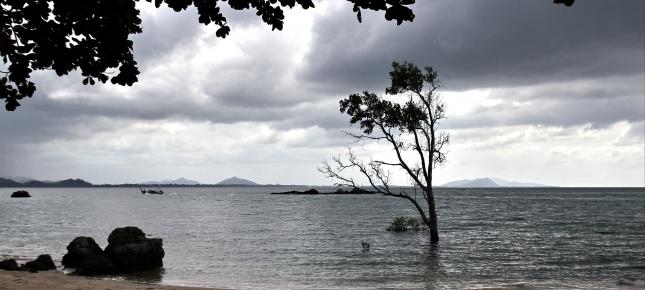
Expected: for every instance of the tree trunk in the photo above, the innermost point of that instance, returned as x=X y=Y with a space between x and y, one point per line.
x=432 y=217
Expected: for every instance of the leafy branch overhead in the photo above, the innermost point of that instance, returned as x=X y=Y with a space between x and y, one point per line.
x=94 y=36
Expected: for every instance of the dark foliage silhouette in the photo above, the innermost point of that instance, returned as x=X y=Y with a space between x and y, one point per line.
x=565 y=2
x=409 y=126
x=93 y=36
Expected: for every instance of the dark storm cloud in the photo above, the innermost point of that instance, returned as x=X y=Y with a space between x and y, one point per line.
x=520 y=47
x=260 y=81
x=42 y=118
x=482 y=43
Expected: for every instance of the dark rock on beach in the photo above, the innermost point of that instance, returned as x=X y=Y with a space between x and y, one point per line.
x=81 y=248
x=130 y=250
x=95 y=265
x=42 y=263
x=9 y=265
x=126 y=235
x=20 y=193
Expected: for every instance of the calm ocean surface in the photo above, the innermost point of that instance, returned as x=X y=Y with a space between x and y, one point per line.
x=246 y=238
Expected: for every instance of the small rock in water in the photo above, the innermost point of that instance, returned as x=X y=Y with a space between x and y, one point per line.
x=366 y=245
x=20 y=193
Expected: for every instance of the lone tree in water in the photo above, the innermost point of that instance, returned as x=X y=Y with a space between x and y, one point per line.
x=409 y=127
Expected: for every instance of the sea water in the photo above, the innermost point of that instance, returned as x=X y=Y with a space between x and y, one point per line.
x=243 y=237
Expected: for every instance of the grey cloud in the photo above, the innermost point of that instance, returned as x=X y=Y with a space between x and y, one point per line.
x=483 y=44
x=259 y=82
x=323 y=114
x=600 y=102
x=598 y=88
x=163 y=32
x=570 y=112
x=167 y=30
x=635 y=135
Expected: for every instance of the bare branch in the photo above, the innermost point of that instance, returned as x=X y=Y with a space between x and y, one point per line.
x=386 y=163
x=421 y=156
x=329 y=172
x=398 y=155
x=362 y=136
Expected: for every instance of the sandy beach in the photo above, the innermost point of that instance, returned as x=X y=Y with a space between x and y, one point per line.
x=56 y=280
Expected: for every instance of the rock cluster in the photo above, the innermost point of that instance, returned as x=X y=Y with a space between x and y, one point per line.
x=313 y=191
x=355 y=190
x=128 y=250
x=306 y=192
x=42 y=263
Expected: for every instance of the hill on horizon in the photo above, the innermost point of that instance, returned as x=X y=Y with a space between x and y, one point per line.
x=236 y=181
x=490 y=182
x=178 y=181
x=9 y=182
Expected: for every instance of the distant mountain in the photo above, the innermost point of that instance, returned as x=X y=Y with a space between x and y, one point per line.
x=20 y=179
x=71 y=183
x=490 y=182
x=5 y=182
x=505 y=183
x=236 y=181
x=178 y=181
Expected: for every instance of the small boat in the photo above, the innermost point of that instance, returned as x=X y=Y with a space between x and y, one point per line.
x=151 y=191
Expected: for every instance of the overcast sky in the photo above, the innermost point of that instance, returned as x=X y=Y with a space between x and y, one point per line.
x=536 y=92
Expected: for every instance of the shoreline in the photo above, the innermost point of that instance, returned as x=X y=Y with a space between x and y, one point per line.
x=57 y=280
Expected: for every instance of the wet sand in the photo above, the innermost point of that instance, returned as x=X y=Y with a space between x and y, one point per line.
x=56 y=280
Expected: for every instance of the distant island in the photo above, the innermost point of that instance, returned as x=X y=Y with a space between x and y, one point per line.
x=490 y=182
x=313 y=191
x=6 y=182
x=178 y=181
x=236 y=181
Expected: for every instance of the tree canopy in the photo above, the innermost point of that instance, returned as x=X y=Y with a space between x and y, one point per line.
x=94 y=36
